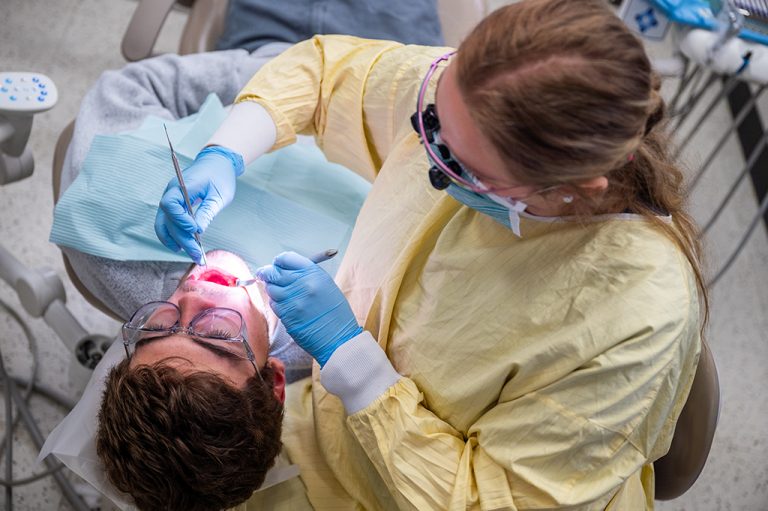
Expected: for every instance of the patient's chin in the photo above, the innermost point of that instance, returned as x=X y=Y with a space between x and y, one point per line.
x=223 y=268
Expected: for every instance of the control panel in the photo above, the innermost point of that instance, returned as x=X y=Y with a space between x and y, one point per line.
x=24 y=93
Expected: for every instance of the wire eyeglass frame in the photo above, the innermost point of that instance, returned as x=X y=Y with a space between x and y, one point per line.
x=133 y=333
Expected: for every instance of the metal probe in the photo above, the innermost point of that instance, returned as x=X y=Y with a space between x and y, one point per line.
x=179 y=176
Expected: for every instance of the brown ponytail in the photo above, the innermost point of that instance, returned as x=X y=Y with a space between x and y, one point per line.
x=658 y=108
x=566 y=93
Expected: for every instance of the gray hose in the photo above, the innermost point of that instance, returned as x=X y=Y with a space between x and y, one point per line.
x=12 y=394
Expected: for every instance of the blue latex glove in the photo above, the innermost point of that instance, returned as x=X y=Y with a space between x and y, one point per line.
x=210 y=180
x=312 y=308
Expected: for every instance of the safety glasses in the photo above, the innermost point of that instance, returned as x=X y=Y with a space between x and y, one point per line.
x=218 y=329
x=425 y=122
x=445 y=167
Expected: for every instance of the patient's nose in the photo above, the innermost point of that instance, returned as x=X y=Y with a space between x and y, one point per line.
x=192 y=304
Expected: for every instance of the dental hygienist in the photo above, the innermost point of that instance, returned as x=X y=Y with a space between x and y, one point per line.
x=516 y=322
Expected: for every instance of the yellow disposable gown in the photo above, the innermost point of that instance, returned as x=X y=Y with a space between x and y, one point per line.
x=542 y=372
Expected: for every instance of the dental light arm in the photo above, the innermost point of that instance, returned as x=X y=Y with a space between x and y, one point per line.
x=40 y=291
x=730 y=23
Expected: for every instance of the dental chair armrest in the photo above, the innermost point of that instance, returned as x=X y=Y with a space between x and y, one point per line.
x=147 y=20
x=204 y=26
x=144 y=27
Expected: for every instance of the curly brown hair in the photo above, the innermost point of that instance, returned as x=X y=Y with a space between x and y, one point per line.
x=188 y=441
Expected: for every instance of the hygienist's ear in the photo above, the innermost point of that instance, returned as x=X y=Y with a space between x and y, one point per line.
x=279 y=380
x=594 y=187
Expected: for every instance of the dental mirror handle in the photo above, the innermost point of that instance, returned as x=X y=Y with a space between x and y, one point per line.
x=316 y=258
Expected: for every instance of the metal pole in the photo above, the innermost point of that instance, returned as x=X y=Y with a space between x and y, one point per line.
x=720 y=143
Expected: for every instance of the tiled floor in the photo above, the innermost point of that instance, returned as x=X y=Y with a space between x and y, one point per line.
x=72 y=41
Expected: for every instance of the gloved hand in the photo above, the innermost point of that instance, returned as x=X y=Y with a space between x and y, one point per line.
x=312 y=308
x=211 y=180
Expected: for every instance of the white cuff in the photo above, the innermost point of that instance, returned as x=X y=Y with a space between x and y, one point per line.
x=248 y=130
x=358 y=372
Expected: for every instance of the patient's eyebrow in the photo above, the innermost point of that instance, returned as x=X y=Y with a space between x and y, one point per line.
x=216 y=350
x=148 y=340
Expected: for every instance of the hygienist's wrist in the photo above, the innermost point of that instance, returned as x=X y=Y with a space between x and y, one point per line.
x=217 y=151
x=248 y=130
x=358 y=372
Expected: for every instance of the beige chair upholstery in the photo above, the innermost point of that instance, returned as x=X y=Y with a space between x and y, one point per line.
x=58 y=163
x=457 y=17
x=677 y=470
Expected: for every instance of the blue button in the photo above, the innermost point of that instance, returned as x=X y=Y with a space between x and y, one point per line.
x=8 y=80
x=3 y=89
x=12 y=98
x=41 y=85
x=43 y=92
x=41 y=98
x=35 y=79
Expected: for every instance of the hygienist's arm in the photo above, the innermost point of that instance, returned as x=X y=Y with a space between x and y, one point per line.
x=353 y=95
x=576 y=444
x=248 y=130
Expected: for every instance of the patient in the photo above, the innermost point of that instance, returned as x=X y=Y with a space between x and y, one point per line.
x=191 y=419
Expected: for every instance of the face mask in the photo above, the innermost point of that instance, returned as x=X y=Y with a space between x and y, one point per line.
x=504 y=210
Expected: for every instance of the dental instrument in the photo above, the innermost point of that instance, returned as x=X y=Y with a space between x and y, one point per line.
x=40 y=291
x=317 y=259
x=180 y=177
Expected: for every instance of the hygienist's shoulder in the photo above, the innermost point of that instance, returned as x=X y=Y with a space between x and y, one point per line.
x=646 y=261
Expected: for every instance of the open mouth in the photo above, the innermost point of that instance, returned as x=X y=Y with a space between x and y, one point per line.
x=224 y=268
x=216 y=276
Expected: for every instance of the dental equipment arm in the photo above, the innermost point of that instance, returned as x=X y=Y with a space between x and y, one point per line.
x=41 y=292
x=730 y=23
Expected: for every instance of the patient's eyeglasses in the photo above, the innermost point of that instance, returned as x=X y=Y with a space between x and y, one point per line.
x=218 y=329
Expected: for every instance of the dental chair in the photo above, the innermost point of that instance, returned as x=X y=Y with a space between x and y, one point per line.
x=205 y=23
x=676 y=471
